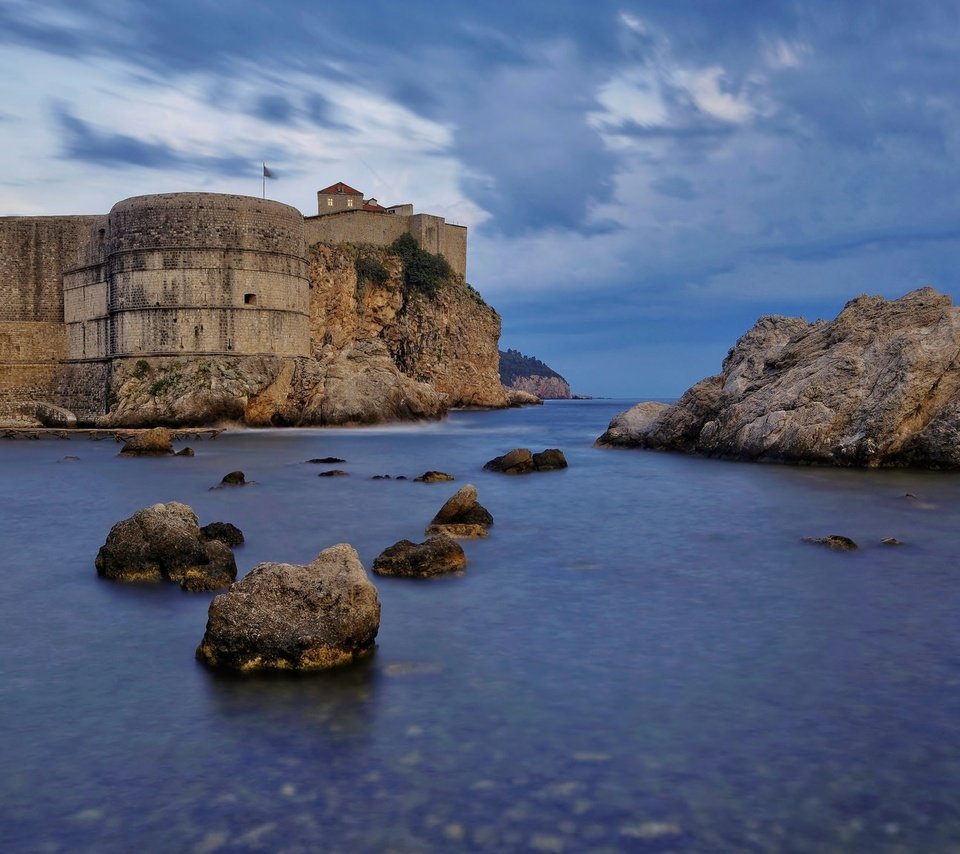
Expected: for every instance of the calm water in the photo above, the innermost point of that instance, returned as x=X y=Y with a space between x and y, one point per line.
x=643 y=656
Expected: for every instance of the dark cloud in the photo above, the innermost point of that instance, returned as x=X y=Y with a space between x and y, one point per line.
x=274 y=108
x=84 y=143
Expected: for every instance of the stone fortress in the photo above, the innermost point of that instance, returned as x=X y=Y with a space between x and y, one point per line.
x=178 y=274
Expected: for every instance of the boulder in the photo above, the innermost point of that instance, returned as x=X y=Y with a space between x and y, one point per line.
x=437 y=555
x=462 y=516
x=517 y=397
x=837 y=542
x=521 y=461
x=150 y=443
x=54 y=416
x=433 y=477
x=185 y=452
x=283 y=616
x=877 y=386
x=223 y=531
x=234 y=478
x=327 y=460
x=333 y=473
x=164 y=543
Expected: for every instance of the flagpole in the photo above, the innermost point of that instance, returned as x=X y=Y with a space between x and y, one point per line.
x=263 y=172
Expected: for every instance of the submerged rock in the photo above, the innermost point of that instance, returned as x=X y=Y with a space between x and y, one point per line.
x=877 y=386
x=327 y=460
x=521 y=461
x=150 y=443
x=434 y=477
x=164 y=543
x=437 y=555
x=333 y=473
x=837 y=542
x=283 y=616
x=462 y=516
x=234 y=478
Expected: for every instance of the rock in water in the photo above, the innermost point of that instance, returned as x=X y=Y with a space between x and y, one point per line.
x=164 y=543
x=521 y=461
x=837 y=542
x=438 y=555
x=234 y=478
x=283 y=616
x=434 y=477
x=223 y=531
x=877 y=386
x=462 y=516
x=150 y=443
x=518 y=397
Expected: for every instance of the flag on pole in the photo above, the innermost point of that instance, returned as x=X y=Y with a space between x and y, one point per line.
x=267 y=173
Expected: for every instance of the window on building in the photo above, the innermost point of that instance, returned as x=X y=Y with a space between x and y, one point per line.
x=249 y=299
x=349 y=203
x=330 y=202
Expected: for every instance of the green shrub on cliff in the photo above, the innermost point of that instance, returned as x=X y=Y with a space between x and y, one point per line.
x=423 y=272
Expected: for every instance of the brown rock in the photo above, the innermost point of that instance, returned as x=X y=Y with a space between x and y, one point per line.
x=834 y=541
x=223 y=531
x=234 y=478
x=434 y=477
x=462 y=516
x=518 y=397
x=550 y=460
x=164 y=543
x=333 y=473
x=521 y=461
x=436 y=556
x=149 y=443
x=185 y=452
x=293 y=617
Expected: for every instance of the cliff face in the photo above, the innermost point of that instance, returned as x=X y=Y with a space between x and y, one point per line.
x=525 y=373
x=877 y=386
x=381 y=351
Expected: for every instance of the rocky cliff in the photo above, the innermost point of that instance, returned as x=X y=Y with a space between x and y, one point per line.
x=877 y=386
x=526 y=373
x=382 y=350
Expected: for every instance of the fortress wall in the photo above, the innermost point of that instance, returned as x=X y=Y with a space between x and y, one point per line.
x=207 y=273
x=381 y=229
x=34 y=251
x=82 y=388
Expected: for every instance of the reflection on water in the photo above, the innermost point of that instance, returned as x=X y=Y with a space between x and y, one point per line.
x=642 y=656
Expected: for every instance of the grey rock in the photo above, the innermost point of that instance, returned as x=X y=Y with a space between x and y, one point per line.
x=284 y=616
x=54 y=416
x=877 y=386
x=462 y=516
x=333 y=473
x=164 y=543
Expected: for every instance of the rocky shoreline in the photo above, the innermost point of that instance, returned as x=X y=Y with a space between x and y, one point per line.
x=877 y=386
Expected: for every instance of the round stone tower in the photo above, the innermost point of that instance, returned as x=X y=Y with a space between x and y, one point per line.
x=205 y=273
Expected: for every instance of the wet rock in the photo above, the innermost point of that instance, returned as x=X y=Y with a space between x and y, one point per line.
x=333 y=473
x=400 y=477
x=834 y=541
x=381 y=477
x=437 y=555
x=294 y=617
x=223 y=531
x=521 y=461
x=234 y=478
x=149 y=443
x=164 y=543
x=891 y=541
x=69 y=459
x=462 y=516
x=327 y=460
x=434 y=477
x=185 y=452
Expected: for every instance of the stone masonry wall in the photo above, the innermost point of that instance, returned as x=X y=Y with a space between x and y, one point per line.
x=381 y=229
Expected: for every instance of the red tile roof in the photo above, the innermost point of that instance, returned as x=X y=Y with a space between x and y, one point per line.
x=368 y=207
x=340 y=187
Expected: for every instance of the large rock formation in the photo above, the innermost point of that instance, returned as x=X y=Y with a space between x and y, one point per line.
x=381 y=351
x=283 y=616
x=461 y=516
x=165 y=543
x=877 y=386
x=526 y=373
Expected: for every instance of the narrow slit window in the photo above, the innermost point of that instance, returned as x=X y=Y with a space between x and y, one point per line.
x=249 y=299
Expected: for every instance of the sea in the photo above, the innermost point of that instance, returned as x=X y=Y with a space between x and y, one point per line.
x=644 y=655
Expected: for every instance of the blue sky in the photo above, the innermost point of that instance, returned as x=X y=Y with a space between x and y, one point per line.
x=642 y=180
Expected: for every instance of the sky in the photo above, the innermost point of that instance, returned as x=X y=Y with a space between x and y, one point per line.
x=641 y=180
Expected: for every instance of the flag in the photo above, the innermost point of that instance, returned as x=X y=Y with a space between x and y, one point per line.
x=267 y=173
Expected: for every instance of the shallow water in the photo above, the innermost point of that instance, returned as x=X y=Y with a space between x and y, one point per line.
x=642 y=656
